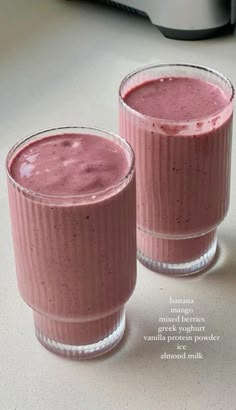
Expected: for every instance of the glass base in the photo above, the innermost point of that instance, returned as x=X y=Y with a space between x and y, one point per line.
x=186 y=267
x=83 y=351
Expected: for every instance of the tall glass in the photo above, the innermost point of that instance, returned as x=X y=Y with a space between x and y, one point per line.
x=76 y=257
x=183 y=175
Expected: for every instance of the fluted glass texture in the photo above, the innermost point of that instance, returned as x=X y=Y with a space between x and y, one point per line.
x=183 y=175
x=76 y=258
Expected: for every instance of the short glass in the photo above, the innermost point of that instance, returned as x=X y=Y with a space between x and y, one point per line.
x=76 y=257
x=183 y=175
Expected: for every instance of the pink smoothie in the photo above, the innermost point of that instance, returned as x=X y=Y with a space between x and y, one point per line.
x=182 y=146
x=75 y=245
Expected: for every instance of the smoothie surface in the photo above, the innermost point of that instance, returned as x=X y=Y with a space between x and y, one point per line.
x=177 y=98
x=69 y=164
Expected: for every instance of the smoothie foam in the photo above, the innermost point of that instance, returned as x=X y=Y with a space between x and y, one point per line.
x=70 y=164
x=177 y=98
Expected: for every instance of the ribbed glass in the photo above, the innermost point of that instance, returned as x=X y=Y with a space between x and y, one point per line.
x=183 y=175
x=76 y=257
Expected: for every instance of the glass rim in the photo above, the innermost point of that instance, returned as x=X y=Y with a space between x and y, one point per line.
x=162 y=65
x=78 y=129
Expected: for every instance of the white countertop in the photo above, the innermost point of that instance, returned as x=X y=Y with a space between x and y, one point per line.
x=61 y=63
